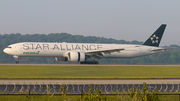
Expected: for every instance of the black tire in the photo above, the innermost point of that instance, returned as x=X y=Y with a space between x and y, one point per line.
x=17 y=62
x=97 y=62
x=89 y=62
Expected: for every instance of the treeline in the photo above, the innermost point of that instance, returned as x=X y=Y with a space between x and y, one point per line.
x=169 y=57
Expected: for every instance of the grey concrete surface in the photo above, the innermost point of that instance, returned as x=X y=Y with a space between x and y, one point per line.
x=78 y=65
x=89 y=81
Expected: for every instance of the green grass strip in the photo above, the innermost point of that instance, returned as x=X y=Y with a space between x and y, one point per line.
x=89 y=72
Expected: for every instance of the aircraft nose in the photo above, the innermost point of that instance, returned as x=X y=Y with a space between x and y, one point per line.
x=6 y=50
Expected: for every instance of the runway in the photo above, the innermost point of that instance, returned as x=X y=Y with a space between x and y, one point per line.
x=81 y=65
x=89 y=81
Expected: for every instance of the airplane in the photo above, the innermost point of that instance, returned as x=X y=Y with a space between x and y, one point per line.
x=82 y=52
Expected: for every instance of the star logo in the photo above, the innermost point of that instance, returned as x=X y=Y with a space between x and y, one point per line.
x=154 y=39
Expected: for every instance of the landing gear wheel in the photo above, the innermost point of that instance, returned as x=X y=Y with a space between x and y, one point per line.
x=16 y=58
x=89 y=62
x=96 y=62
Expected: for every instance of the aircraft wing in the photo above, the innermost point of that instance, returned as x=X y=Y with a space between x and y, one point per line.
x=104 y=50
x=161 y=49
x=99 y=53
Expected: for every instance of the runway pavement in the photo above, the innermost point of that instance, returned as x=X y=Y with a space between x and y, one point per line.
x=89 y=81
x=80 y=65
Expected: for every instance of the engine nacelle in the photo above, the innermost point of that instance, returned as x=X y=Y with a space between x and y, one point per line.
x=61 y=59
x=76 y=56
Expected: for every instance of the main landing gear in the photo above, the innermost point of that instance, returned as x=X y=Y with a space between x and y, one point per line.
x=89 y=62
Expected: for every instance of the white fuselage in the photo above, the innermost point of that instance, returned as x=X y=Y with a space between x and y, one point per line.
x=43 y=49
x=81 y=52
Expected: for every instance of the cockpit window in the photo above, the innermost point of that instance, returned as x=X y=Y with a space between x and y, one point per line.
x=8 y=47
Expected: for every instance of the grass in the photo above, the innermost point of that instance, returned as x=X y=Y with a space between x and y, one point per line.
x=88 y=72
x=77 y=97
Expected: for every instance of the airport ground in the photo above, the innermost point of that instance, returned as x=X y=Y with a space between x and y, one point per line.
x=3 y=64
x=89 y=81
x=98 y=74
x=78 y=98
x=86 y=74
x=76 y=71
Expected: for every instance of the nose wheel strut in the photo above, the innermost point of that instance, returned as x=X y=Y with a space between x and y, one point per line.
x=16 y=58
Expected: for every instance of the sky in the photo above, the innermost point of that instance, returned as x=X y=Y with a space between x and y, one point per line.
x=118 y=19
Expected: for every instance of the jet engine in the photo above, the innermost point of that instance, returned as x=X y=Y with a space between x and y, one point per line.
x=76 y=56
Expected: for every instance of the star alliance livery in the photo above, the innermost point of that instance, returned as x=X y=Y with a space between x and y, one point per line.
x=80 y=52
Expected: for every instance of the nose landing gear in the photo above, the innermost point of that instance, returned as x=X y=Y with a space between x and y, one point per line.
x=16 y=58
x=17 y=62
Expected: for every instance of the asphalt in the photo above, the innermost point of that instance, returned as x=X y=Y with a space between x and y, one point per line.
x=79 y=65
x=89 y=81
